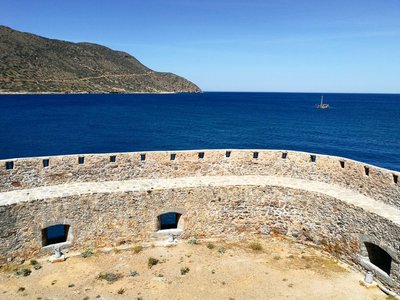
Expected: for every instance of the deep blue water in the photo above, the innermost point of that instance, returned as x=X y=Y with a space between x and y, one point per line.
x=359 y=126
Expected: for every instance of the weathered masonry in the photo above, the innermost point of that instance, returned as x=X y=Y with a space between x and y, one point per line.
x=346 y=207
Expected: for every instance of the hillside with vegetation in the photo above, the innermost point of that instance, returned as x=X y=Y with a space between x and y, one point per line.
x=34 y=64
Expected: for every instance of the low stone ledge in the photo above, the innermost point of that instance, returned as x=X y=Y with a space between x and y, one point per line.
x=348 y=196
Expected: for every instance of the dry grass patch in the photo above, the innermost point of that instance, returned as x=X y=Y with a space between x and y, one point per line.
x=109 y=277
x=137 y=249
x=8 y=268
x=323 y=264
x=87 y=253
x=210 y=246
x=256 y=246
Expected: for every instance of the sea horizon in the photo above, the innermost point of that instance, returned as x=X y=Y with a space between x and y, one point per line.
x=359 y=126
x=202 y=92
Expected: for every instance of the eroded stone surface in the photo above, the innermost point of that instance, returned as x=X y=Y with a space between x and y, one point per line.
x=29 y=172
x=140 y=185
x=108 y=204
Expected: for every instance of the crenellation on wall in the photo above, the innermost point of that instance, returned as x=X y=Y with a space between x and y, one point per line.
x=29 y=172
x=99 y=160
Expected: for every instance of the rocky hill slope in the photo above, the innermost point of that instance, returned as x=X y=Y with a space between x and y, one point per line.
x=34 y=64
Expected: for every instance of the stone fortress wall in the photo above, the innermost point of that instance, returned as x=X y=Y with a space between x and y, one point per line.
x=348 y=208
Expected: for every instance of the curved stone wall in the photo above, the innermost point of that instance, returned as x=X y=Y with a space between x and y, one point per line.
x=111 y=199
x=381 y=184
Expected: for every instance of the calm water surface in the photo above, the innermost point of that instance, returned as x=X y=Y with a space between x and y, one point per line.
x=359 y=126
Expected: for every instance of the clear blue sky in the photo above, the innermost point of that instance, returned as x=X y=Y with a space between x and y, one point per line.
x=237 y=45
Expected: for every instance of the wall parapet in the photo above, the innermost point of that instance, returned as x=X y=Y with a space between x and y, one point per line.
x=23 y=173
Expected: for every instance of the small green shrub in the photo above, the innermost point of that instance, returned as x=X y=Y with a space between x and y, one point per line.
x=193 y=241
x=221 y=249
x=184 y=270
x=110 y=277
x=152 y=262
x=256 y=246
x=71 y=285
x=34 y=262
x=23 y=272
x=210 y=246
x=87 y=253
x=21 y=289
x=121 y=291
x=137 y=249
x=133 y=273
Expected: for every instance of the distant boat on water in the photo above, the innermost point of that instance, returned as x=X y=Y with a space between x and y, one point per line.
x=322 y=105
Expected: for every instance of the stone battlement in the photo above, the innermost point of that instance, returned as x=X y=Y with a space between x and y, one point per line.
x=346 y=207
x=379 y=183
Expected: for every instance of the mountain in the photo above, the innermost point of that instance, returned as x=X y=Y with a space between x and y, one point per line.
x=34 y=64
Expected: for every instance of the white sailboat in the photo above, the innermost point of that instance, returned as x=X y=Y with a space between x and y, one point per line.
x=322 y=105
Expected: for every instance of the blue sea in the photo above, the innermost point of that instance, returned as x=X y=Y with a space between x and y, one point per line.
x=364 y=127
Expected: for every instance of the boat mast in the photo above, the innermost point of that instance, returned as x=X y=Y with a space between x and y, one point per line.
x=322 y=99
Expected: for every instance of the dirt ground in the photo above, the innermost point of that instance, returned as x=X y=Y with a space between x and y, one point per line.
x=280 y=270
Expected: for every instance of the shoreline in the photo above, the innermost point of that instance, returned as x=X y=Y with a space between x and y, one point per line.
x=201 y=92
x=86 y=93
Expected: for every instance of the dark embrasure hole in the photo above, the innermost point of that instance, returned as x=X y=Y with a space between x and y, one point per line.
x=55 y=234
x=366 y=171
x=46 y=163
x=379 y=257
x=168 y=220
